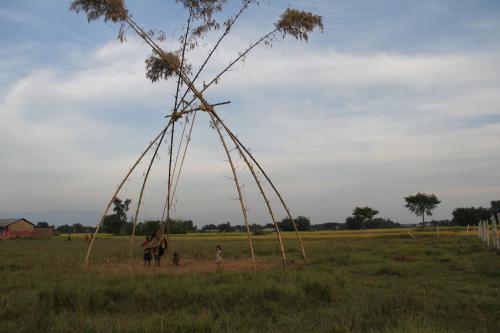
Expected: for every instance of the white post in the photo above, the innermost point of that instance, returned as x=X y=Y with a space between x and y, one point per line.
x=467 y=229
x=496 y=241
x=487 y=227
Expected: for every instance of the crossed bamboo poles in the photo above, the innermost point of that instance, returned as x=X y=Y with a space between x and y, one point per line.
x=219 y=126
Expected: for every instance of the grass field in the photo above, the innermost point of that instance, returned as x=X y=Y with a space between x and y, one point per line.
x=368 y=281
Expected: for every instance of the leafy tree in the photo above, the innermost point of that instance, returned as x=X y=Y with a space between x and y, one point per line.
x=210 y=226
x=352 y=222
x=42 y=224
x=422 y=204
x=224 y=227
x=381 y=223
x=303 y=224
x=365 y=214
x=361 y=218
x=470 y=216
x=329 y=226
x=495 y=206
x=113 y=223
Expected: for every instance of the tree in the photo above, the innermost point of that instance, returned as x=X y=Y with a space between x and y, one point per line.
x=210 y=227
x=495 y=206
x=422 y=204
x=361 y=217
x=301 y=222
x=366 y=214
x=470 y=216
x=42 y=224
x=113 y=223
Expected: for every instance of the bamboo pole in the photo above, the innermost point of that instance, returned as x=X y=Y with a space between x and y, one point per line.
x=231 y=64
x=142 y=190
x=264 y=196
x=188 y=140
x=162 y=229
x=226 y=31
x=119 y=188
x=238 y=142
x=238 y=188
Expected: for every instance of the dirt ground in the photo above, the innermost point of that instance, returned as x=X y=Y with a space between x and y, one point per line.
x=187 y=266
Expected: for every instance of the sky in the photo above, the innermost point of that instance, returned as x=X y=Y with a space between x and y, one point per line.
x=393 y=98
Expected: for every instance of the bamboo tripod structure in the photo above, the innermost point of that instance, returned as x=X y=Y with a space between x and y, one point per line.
x=220 y=127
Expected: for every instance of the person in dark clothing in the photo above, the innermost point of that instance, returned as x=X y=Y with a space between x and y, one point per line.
x=147 y=252
x=160 y=251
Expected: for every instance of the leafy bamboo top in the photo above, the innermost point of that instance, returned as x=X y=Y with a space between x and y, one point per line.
x=162 y=64
x=298 y=23
x=111 y=10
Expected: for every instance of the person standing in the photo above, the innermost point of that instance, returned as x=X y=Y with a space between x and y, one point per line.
x=219 y=254
x=147 y=252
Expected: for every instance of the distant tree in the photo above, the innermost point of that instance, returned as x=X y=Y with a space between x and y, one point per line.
x=210 y=226
x=379 y=222
x=150 y=227
x=64 y=228
x=113 y=223
x=365 y=214
x=470 y=216
x=422 y=204
x=42 y=224
x=256 y=227
x=442 y=223
x=361 y=218
x=328 y=226
x=495 y=210
x=224 y=227
x=303 y=224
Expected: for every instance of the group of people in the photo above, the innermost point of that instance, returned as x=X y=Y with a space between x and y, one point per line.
x=154 y=248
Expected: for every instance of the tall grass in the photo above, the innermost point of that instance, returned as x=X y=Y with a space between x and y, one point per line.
x=350 y=285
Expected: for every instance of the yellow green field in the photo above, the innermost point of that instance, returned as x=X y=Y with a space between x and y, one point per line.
x=354 y=281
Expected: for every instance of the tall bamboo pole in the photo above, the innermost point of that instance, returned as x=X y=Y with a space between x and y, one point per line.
x=169 y=187
x=238 y=188
x=238 y=142
x=264 y=196
x=143 y=187
x=119 y=188
x=224 y=34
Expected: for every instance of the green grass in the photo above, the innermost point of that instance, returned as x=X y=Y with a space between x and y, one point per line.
x=365 y=284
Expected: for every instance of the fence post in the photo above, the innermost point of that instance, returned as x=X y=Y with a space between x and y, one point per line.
x=496 y=242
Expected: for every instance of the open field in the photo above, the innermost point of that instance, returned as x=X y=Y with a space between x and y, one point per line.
x=363 y=281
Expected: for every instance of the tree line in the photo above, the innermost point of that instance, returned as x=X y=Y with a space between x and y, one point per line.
x=420 y=204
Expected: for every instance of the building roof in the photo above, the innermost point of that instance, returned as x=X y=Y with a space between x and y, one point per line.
x=7 y=222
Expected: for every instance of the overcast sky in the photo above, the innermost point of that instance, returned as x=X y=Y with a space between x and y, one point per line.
x=395 y=97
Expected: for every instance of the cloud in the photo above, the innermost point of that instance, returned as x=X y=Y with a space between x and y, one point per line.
x=333 y=129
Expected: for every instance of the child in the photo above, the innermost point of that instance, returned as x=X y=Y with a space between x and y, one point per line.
x=218 y=257
x=175 y=260
x=147 y=252
x=160 y=251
